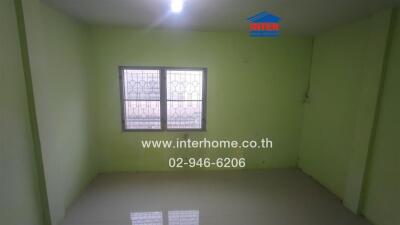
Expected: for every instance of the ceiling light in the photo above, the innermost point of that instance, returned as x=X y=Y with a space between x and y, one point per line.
x=176 y=6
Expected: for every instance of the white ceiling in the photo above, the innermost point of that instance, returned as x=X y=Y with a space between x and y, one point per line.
x=303 y=17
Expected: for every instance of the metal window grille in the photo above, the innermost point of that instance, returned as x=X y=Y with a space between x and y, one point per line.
x=163 y=98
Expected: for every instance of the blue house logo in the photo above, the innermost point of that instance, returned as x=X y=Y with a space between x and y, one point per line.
x=264 y=24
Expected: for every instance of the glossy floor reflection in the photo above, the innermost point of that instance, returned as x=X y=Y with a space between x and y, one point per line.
x=183 y=217
x=180 y=217
x=146 y=218
x=276 y=197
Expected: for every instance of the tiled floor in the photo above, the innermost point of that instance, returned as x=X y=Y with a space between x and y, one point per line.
x=275 y=197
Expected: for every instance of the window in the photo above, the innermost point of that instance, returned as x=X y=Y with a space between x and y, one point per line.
x=163 y=98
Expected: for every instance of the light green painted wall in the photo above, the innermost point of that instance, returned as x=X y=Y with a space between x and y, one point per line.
x=58 y=57
x=330 y=114
x=373 y=73
x=62 y=106
x=382 y=195
x=19 y=189
x=342 y=144
x=255 y=89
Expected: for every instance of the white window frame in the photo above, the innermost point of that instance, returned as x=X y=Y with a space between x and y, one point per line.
x=163 y=97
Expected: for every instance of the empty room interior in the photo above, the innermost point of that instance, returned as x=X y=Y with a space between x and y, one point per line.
x=199 y=112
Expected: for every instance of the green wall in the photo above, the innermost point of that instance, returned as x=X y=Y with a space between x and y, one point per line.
x=329 y=119
x=346 y=72
x=58 y=54
x=255 y=89
x=19 y=188
x=351 y=120
x=382 y=193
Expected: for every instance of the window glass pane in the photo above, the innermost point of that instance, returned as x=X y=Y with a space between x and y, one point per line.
x=184 y=114
x=141 y=84
x=184 y=84
x=142 y=98
x=142 y=115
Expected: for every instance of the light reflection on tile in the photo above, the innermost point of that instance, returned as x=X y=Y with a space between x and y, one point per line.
x=280 y=197
x=183 y=217
x=176 y=217
x=146 y=218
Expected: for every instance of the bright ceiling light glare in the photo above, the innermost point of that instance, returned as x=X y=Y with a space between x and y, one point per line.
x=176 y=6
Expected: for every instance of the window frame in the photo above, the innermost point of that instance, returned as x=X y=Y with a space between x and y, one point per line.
x=163 y=98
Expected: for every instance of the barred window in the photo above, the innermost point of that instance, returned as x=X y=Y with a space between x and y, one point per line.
x=163 y=98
